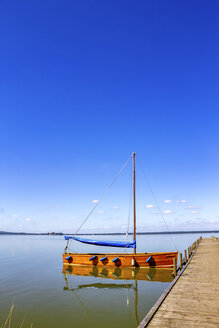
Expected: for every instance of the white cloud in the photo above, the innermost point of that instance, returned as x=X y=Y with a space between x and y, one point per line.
x=182 y=201
x=20 y=225
x=95 y=201
x=168 y=212
x=14 y=215
x=167 y=201
x=93 y=228
x=28 y=219
x=115 y=217
x=115 y=207
x=150 y=206
x=100 y=212
x=194 y=212
x=193 y=207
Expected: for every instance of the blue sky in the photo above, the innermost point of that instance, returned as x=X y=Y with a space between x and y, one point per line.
x=83 y=85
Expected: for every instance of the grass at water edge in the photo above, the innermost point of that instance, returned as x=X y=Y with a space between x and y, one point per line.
x=7 y=323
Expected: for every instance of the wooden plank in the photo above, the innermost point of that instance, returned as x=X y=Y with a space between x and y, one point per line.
x=157 y=305
x=193 y=300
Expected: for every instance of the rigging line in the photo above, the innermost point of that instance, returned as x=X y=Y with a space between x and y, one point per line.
x=147 y=181
x=87 y=310
x=103 y=195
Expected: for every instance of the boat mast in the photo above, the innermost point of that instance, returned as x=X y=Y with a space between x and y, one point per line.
x=134 y=213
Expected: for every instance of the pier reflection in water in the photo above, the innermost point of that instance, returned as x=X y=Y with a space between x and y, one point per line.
x=124 y=278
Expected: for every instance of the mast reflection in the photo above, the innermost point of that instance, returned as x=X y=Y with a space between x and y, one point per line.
x=121 y=275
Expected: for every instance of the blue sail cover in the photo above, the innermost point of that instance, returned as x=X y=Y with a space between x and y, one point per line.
x=104 y=243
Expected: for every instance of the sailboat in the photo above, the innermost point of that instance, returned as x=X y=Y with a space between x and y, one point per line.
x=126 y=260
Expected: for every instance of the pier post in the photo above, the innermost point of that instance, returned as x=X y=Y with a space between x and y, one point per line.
x=180 y=261
x=174 y=267
x=185 y=256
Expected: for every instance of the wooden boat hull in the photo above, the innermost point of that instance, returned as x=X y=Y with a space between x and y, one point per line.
x=142 y=260
x=149 y=274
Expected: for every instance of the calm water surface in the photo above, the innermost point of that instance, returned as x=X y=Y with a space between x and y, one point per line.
x=31 y=277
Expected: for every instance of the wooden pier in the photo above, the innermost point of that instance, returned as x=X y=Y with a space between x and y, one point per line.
x=192 y=299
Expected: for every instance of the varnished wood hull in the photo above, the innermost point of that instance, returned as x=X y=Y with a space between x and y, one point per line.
x=142 y=260
x=149 y=274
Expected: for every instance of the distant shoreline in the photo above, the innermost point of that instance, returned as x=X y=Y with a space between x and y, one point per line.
x=113 y=233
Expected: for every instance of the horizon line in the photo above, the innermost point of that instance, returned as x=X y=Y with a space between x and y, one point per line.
x=108 y=233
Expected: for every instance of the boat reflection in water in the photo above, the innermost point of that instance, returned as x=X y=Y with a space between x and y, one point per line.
x=125 y=278
x=150 y=274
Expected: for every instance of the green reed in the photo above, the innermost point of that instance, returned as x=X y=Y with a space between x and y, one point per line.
x=8 y=324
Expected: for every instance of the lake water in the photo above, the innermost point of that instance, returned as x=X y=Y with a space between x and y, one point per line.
x=32 y=278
